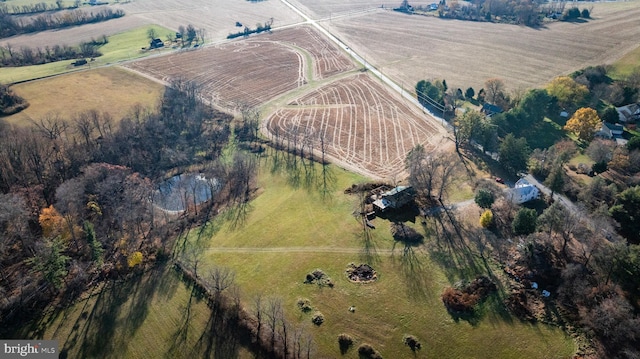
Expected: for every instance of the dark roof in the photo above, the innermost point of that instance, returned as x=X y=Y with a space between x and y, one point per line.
x=491 y=108
x=614 y=127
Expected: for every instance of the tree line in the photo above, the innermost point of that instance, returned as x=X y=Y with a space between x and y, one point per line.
x=10 y=25
x=26 y=56
x=10 y=103
x=36 y=8
x=77 y=194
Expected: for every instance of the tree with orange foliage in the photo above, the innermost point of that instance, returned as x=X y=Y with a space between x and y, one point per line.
x=584 y=123
x=51 y=222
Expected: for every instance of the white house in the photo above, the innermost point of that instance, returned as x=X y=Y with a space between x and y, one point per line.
x=523 y=192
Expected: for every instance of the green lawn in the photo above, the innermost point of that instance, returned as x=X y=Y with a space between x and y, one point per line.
x=151 y=316
x=628 y=64
x=289 y=232
x=123 y=46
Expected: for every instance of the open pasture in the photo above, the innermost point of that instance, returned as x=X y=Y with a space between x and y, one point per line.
x=98 y=89
x=252 y=71
x=364 y=127
x=409 y=48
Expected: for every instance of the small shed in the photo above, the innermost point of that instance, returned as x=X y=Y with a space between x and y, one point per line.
x=395 y=198
x=156 y=43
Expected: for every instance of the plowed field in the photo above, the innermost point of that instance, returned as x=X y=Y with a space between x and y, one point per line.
x=251 y=71
x=363 y=125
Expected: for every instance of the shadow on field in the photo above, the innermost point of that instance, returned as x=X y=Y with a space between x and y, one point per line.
x=417 y=275
x=104 y=329
x=303 y=172
x=453 y=252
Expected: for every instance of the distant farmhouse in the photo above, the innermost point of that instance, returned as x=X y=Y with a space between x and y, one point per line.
x=490 y=109
x=612 y=132
x=394 y=198
x=523 y=192
x=156 y=43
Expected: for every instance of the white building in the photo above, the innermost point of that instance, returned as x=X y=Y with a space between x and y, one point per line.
x=523 y=192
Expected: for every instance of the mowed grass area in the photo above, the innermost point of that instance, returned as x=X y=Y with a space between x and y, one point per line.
x=154 y=315
x=123 y=46
x=290 y=231
x=98 y=89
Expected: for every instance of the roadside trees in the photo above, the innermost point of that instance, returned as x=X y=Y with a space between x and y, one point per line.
x=514 y=153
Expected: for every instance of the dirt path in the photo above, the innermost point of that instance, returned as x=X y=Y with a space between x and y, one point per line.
x=299 y=250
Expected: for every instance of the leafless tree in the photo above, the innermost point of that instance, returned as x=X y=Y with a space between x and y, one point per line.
x=274 y=314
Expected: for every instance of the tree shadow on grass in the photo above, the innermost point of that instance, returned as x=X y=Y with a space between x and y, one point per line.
x=416 y=274
x=369 y=253
x=118 y=312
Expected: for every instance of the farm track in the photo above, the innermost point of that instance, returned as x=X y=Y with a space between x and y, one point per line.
x=335 y=250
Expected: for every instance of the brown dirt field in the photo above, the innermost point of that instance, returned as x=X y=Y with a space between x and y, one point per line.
x=217 y=17
x=326 y=9
x=98 y=89
x=251 y=71
x=236 y=73
x=364 y=126
x=409 y=48
x=327 y=59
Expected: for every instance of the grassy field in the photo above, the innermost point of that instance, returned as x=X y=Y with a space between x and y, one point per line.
x=123 y=46
x=290 y=231
x=151 y=316
x=97 y=89
x=627 y=65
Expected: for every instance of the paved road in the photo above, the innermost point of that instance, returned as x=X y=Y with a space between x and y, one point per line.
x=556 y=196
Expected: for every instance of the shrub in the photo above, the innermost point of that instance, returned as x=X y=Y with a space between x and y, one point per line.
x=525 y=221
x=345 y=342
x=366 y=350
x=464 y=299
x=486 y=219
x=458 y=301
x=585 y=13
x=484 y=198
x=318 y=277
x=318 y=318
x=599 y=167
x=304 y=304
x=412 y=342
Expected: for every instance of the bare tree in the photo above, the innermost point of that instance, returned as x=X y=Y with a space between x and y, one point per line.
x=273 y=314
x=495 y=88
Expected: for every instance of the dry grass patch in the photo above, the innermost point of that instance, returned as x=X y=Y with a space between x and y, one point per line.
x=111 y=89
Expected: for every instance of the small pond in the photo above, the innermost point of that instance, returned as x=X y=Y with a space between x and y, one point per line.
x=179 y=192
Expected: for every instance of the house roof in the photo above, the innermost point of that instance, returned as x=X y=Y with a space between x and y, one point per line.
x=614 y=127
x=488 y=107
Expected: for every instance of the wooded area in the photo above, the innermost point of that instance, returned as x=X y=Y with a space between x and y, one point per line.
x=77 y=195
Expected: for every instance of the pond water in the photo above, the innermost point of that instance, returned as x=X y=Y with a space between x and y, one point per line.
x=179 y=192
